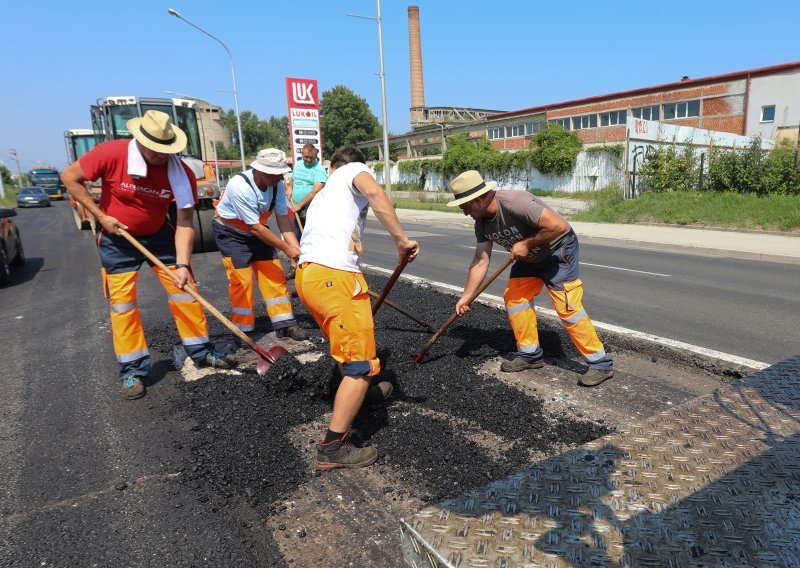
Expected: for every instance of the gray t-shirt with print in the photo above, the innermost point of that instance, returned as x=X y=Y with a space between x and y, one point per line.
x=518 y=214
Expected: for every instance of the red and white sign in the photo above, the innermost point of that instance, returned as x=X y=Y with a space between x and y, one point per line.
x=302 y=96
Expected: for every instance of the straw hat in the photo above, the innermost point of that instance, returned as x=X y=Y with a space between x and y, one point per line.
x=156 y=132
x=468 y=186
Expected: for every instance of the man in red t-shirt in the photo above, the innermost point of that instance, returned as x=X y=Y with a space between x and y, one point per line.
x=141 y=177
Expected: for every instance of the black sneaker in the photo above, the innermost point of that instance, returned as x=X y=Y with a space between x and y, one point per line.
x=519 y=364
x=594 y=377
x=342 y=454
x=294 y=332
x=217 y=360
x=131 y=387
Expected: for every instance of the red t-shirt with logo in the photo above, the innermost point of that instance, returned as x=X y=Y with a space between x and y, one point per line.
x=139 y=203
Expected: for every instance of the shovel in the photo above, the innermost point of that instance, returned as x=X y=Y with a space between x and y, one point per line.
x=266 y=356
x=296 y=216
x=449 y=322
x=397 y=308
x=392 y=279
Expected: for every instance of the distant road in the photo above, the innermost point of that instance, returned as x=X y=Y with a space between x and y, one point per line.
x=742 y=307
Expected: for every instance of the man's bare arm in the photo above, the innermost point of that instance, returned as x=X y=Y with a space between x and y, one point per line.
x=74 y=180
x=476 y=275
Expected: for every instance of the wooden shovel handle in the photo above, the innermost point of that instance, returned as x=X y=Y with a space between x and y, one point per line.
x=392 y=279
x=406 y=313
x=296 y=216
x=453 y=318
x=194 y=294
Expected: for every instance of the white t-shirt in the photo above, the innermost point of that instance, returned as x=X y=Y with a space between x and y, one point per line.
x=240 y=201
x=335 y=220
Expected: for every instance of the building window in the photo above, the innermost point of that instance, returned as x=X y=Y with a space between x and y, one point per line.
x=496 y=132
x=532 y=128
x=585 y=121
x=613 y=118
x=564 y=122
x=681 y=110
x=647 y=113
x=768 y=113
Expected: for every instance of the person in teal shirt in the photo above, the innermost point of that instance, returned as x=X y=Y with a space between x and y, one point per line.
x=308 y=178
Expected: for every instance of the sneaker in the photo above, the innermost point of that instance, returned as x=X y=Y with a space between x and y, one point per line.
x=378 y=393
x=217 y=360
x=294 y=332
x=132 y=387
x=340 y=453
x=519 y=364
x=594 y=377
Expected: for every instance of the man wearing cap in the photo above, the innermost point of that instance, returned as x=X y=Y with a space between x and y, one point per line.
x=248 y=246
x=308 y=178
x=330 y=284
x=545 y=249
x=141 y=177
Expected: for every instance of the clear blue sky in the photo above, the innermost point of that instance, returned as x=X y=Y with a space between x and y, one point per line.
x=59 y=57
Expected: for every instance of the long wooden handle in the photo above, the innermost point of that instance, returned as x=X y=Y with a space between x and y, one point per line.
x=192 y=292
x=453 y=318
x=296 y=216
x=397 y=308
x=392 y=279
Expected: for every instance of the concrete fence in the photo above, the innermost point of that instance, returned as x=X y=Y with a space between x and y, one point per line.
x=593 y=171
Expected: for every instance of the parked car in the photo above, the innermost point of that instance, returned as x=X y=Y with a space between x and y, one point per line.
x=33 y=197
x=11 y=253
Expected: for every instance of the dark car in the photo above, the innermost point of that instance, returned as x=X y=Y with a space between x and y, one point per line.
x=11 y=253
x=33 y=197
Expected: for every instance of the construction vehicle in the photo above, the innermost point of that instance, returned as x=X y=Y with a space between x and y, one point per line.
x=109 y=122
x=78 y=142
x=49 y=180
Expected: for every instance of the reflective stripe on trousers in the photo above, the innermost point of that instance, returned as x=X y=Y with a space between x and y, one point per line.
x=273 y=288
x=518 y=298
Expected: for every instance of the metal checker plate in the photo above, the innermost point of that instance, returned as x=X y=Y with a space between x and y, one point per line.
x=714 y=482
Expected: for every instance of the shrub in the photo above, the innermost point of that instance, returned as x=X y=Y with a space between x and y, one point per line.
x=555 y=150
x=669 y=169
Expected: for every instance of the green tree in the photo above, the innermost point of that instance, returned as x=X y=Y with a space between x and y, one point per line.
x=258 y=134
x=4 y=171
x=555 y=150
x=345 y=119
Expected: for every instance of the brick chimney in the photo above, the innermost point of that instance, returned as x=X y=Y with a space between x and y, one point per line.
x=415 y=64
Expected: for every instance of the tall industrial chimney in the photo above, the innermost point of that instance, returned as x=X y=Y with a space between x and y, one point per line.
x=415 y=61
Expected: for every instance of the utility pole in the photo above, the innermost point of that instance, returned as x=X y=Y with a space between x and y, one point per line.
x=19 y=172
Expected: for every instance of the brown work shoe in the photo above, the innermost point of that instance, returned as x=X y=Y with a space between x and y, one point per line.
x=131 y=387
x=594 y=377
x=293 y=332
x=518 y=364
x=340 y=453
x=217 y=360
x=377 y=393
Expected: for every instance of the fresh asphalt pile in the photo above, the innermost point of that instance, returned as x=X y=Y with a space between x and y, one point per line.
x=428 y=433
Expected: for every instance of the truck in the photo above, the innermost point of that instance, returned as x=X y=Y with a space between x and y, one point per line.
x=49 y=180
x=109 y=118
x=79 y=141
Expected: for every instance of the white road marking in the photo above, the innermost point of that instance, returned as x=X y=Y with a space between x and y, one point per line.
x=411 y=234
x=589 y=264
x=497 y=302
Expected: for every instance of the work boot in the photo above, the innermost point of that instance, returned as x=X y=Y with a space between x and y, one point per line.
x=518 y=364
x=217 y=360
x=378 y=393
x=340 y=453
x=594 y=377
x=131 y=387
x=294 y=332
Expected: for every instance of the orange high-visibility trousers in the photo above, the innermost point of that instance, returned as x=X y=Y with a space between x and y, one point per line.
x=272 y=284
x=519 y=300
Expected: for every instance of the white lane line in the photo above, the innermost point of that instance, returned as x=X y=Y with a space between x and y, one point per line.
x=411 y=234
x=497 y=302
x=590 y=264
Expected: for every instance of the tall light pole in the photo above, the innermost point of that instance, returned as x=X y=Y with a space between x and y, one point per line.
x=233 y=75
x=19 y=171
x=213 y=136
x=387 y=177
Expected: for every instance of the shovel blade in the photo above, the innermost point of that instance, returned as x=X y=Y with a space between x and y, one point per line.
x=266 y=357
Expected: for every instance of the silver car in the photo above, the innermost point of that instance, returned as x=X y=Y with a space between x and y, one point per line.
x=33 y=197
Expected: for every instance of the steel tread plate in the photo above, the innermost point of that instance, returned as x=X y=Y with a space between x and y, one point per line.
x=713 y=482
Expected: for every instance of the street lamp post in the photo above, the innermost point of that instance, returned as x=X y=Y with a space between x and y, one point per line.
x=233 y=75
x=19 y=171
x=213 y=136
x=387 y=176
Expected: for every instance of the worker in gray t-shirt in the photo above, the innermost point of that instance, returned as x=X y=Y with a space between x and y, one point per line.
x=545 y=250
